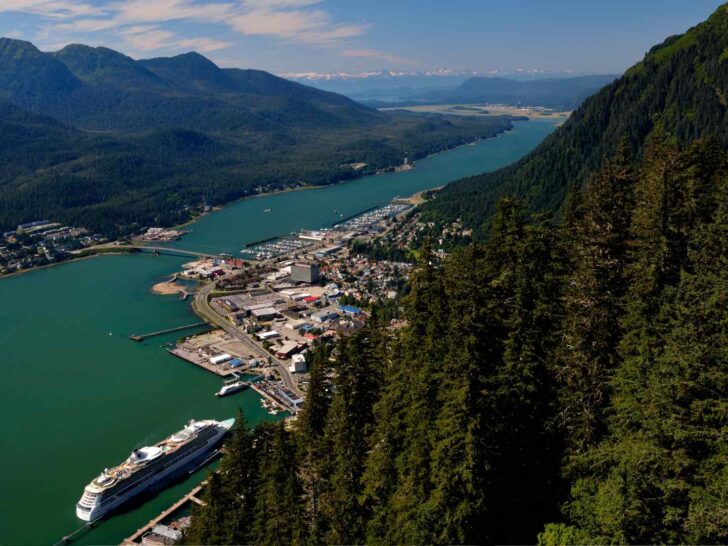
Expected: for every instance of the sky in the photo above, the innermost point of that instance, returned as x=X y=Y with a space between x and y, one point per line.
x=354 y=36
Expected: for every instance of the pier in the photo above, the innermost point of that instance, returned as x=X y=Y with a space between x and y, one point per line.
x=351 y=216
x=193 y=358
x=135 y=337
x=134 y=539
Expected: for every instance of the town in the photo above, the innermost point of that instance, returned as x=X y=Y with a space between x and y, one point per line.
x=268 y=312
x=42 y=242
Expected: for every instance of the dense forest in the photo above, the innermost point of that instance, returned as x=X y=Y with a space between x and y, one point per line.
x=561 y=383
x=681 y=84
x=93 y=138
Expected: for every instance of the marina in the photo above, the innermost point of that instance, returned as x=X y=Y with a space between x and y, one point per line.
x=276 y=247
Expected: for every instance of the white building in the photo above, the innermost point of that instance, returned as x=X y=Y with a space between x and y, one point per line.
x=298 y=364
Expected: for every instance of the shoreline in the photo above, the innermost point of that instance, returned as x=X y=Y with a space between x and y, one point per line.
x=305 y=188
x=217 y=208
x=69 y=261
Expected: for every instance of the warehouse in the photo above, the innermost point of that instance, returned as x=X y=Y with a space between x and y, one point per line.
x=264 y=314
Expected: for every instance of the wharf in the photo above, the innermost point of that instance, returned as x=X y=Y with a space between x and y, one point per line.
x=134 y=539
x=272 y=399
x=193 y=358
x=142 y=337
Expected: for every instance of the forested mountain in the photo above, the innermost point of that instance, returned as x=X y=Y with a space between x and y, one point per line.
x=103 y=90
x=563 y=382
x=681 y=84
x=557 y=93
x=145 y=142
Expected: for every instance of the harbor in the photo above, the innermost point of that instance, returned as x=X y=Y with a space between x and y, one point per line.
x=147 y=392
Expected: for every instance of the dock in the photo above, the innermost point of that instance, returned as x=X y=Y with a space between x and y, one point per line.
x=134 y=539
x=272 y=399
x=192 y=358
x=142 y=337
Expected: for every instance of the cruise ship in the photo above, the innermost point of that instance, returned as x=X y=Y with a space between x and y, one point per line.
x=149 y=467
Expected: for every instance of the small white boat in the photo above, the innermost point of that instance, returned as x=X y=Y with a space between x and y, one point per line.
x=231 y=386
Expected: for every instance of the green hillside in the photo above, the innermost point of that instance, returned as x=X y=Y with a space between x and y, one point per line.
x=144 y=142
x=682 y=84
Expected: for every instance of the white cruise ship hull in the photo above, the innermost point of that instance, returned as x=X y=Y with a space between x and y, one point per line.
x=153 y=481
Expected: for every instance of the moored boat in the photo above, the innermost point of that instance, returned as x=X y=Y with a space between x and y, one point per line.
x=230 y=387
x=150 y=467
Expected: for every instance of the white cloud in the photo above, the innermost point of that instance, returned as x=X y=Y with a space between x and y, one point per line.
x=205 y=45
x=309 y=26
x=142 y=39
x=56 y=9
x=299 y=21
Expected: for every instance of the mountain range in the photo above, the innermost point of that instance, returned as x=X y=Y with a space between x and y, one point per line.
x=680 y=86
x=561 y=90
x=95 y=138
x=557 y=93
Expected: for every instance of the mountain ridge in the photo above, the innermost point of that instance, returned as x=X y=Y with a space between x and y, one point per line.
x=96 y=139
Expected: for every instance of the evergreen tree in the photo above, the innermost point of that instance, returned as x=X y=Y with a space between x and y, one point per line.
x=592 y=294
x=356 y=388
x=210 y=521
x=407 y=412
x=310 y=433
x=659 y=475
x=239 y=470
x=278 y=515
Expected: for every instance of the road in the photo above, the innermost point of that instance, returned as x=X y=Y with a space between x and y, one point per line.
x=203 y=308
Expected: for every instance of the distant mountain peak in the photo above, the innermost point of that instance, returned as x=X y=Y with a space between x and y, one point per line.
x=14 y=46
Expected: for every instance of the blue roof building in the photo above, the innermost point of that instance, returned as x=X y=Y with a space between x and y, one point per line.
x=350 y=310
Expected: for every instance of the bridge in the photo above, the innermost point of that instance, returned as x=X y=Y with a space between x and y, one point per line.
x=173 y=251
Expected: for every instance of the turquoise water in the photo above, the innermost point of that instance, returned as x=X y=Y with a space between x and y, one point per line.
x=76 y=395
x=246 y=221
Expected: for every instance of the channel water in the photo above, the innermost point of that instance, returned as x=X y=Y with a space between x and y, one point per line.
x=76 y=395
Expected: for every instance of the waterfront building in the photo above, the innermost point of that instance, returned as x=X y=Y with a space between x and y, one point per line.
x=308 y=273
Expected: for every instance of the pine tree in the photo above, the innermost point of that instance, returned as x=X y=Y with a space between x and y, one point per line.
x=462 y=457
x=310 y=434
x=398 y=488
x=523 y=278
x=659 y=475
x=239 y=471
x=356 y=388
x=279 y=514
x=593 y=290
x=209 y=522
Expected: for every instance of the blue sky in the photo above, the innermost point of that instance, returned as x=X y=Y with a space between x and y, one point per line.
x=362 y=35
